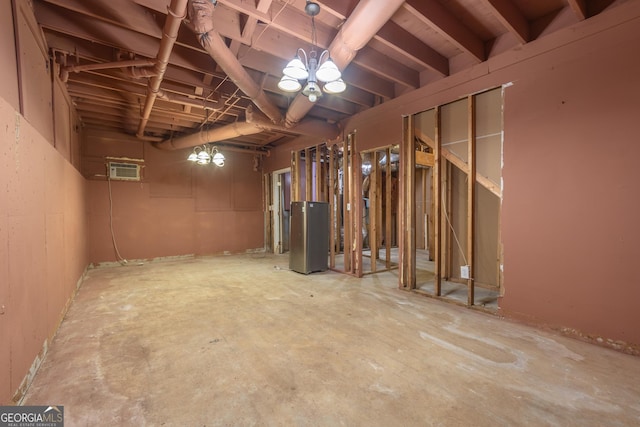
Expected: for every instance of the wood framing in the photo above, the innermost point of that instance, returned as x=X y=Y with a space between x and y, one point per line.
x=333 y=196
x=346 y=205
x=308 y=174
x=471 y=200
x=407 y=203
x=295 y=176
x=388 y=196
x=460 y=164
x=356 y=203
x=437 y=196
x=424 y=159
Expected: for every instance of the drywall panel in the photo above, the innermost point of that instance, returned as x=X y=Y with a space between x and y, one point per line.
x=214 y=187
x=43 y=247
x=454 y=125
x=7 y=138
x=487 y=211
x=247 y=183
x=8 y=71
x=207 y=209
x=488 y=120
x=426 y=123
x=168 y=172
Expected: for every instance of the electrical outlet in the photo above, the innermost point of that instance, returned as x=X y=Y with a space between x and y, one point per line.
x=464 y=271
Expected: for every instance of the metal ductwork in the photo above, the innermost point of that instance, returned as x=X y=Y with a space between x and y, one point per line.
x=176 y=13
x=201 y=17
x=230 y=131
x=255 y=123
x=363 y=23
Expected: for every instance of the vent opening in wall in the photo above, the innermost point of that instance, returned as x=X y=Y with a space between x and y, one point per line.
x=124 y=171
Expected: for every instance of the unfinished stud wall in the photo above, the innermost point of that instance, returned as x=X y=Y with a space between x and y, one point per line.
x=42 y=210
x=569 y=220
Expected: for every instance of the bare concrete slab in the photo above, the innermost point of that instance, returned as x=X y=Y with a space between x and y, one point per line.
x=240 y=340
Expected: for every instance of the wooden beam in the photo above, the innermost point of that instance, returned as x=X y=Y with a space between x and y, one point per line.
x=424 y=159
x=511 y=17
x=397 y=38
x=579 y=7
x=436 y=16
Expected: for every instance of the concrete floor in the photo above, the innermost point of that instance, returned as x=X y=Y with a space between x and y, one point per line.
x=240 y=340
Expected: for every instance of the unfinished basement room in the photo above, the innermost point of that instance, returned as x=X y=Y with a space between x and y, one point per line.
x=320 y=213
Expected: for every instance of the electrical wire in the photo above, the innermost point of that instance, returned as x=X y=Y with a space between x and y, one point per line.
x=121 y=260
x=455 y=236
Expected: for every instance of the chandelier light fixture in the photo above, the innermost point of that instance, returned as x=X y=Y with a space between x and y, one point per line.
x=204 y=155
x=312 y=68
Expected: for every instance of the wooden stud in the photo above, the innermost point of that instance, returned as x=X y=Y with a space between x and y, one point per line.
x=374 y=183
x=437 y=217
x=332 y=208
x=408 y=205
x=471 y=200
x=356 y=200
x=387 y=218
x=346 y=198
x=318 y=192
x=295 y=176
x=308 y=176
x=447 y=204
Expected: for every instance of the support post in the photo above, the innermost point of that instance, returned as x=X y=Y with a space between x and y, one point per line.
x=471 y=200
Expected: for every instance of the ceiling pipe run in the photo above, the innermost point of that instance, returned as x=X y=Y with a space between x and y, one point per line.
x=201 y=18
x=230 y=131
x=64 y=71
x=207 y=104
x=175 y=14
x=363 y=23
x=255 y=123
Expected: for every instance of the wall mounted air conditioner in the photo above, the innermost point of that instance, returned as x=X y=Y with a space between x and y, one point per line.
x=124 y=171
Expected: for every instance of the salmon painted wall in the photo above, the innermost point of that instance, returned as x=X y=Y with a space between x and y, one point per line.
x=179 y=208
x=571 y=198
x=42 y=213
